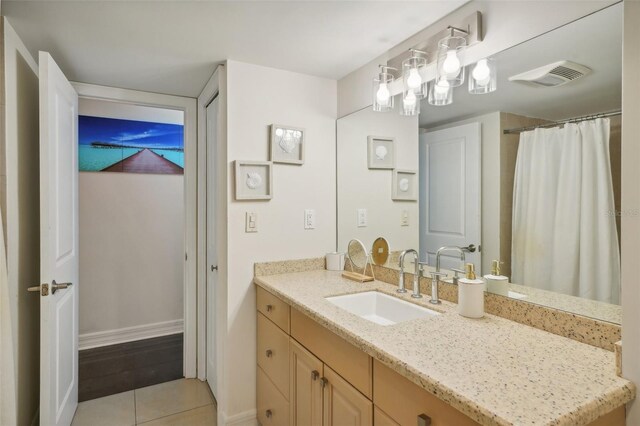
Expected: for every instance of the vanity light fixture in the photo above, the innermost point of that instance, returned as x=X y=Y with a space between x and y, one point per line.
x=440 y=92
x=382 y=98
x=410 y=103
x=451 y=51
x=411 y=73
x=483 y=77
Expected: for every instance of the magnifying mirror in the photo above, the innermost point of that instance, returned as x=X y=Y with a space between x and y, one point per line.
x=359 y=258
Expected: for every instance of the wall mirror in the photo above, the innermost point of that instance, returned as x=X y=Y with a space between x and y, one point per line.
x=501 y=171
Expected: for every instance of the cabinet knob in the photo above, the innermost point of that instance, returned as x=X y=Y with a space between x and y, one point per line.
x=269 y=308
x=315 y=374
x=269 y=353
x=268 y=413
x=324 y=382
x=424 y=420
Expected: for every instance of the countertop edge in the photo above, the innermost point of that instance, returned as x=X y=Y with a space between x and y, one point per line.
x=588 y=412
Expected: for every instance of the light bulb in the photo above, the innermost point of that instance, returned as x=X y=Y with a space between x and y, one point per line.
x=414 y=80
x=451 y=65
x=383 y=95
x=441 y=89
x=410 y=100
x=481 y=73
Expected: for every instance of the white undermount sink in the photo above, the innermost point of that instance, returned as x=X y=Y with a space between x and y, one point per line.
x=381 y=308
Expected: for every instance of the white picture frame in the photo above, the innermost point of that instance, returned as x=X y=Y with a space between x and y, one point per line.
x=253 y=180
x=287 y=144
x=405 y=185
x=381 y=153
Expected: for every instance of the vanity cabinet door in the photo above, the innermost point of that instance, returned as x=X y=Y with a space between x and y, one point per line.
x=344 y=405
x=306 y=387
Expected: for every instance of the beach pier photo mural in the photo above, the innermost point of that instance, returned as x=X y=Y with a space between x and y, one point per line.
x=129 y=146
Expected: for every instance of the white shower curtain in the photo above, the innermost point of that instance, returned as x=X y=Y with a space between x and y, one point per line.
x=7 y=365
x=564 y=234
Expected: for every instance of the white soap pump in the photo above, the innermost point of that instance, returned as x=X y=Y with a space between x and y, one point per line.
x=496 y=283
x=471 y=294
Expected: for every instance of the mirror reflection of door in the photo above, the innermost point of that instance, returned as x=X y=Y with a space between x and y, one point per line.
x=450 y=194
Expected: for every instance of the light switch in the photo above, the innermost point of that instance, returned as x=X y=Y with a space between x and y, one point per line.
x=362 y=218
x=309 y=219
x=404 y=218
x=251 y=222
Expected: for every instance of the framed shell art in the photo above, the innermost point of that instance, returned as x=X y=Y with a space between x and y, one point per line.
x=405 y=185
x=254 y=180
x=287 y=144
x=381 y=152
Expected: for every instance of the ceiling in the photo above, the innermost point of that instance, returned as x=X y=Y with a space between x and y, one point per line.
x=173 y=46
x=594 y=41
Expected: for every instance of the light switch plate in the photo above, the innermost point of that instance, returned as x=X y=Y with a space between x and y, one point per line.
x=251 y=222
x=362 y=218
x=404 y=218
x=309 y=219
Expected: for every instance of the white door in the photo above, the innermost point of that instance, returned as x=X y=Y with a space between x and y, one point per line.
x=58 y=245
x=212 y=261
x=450 y=179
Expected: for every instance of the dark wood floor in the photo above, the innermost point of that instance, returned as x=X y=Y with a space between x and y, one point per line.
x=118 y=368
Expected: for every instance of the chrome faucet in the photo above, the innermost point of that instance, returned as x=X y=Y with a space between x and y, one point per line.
x=436 y=275
x=416 y=277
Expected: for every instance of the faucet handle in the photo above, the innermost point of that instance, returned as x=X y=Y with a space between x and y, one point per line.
x=437 y=275
x=456 y=277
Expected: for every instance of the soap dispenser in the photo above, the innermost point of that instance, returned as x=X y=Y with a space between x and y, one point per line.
x=496 y=283
x=471 y=294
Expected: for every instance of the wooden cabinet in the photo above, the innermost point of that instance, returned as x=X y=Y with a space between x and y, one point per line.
x=272 y=406
x=380 y=418
x=277 y=310
x=306 y=387
x=273 y=353
x=403 y=401
x=343 y=404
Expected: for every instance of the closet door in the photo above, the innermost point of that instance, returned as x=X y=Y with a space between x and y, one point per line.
x=306 y=387
x=344 y=405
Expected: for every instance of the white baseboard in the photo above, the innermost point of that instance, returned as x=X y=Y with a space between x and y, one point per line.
x=129 y=334
x=246 y=418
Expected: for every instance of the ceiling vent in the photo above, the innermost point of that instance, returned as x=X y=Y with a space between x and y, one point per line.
x=552 y=75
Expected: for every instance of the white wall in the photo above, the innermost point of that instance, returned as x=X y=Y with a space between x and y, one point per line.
x=506 y=23
x=257 y=97
x=22 y=218
x=131 y=238
x=359 y=187
x=490 y=134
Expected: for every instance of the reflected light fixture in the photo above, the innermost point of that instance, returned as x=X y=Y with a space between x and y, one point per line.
x=483 y=77
x=440 y=92
x=411 y=73
x=410 y=103
x=382 y=98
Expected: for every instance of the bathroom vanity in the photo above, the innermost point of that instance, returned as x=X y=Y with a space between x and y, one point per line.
x=318 y=363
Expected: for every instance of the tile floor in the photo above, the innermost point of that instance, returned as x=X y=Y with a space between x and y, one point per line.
x=184 y=402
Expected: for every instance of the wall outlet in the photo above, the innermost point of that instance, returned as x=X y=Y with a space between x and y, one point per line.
x=309 y=219
x=362 y=218
x=404 y=218
x=251 y=222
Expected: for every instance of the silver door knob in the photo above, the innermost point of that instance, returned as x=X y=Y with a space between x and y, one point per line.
x=43 y=289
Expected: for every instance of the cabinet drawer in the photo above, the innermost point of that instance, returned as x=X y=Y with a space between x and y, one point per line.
x=381 y=419
x=347 y=360
x=273 y=353
x=273 y=408
x=273 y=308
x=404 y=401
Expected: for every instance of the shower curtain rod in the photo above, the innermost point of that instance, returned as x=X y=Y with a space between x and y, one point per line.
x=560 y=122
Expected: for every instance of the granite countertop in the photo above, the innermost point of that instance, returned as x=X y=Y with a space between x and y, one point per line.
x=495 y=371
